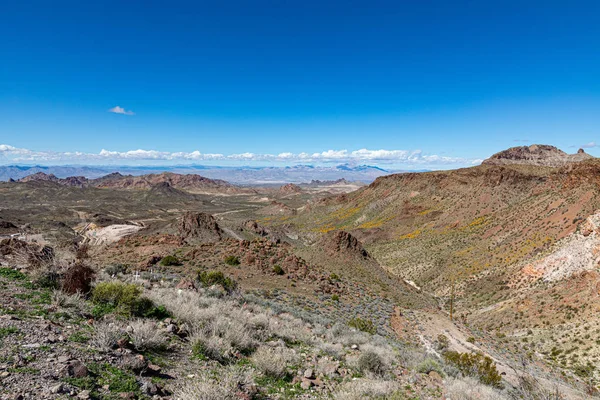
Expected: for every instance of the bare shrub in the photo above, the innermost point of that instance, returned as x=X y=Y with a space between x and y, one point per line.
x=273 y=362
x=470 y=389
x=145 y=335
x=369 y=362
x=335 y=351
x=78 y=278
x=360 y=389
x=227 y=385
x=411 y=357
x=530 y=388
x=341 y=334
x=212 y=348
x=291 y=329
x=66 y=300
x=106 y=335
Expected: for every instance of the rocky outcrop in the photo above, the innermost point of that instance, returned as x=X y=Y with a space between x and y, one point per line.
x=187 y=182
x=255 y=227
x=536 y=154
x=289 y=189
x=7 y=227
x=342 y=243
x=40 y=177
x=200 y=227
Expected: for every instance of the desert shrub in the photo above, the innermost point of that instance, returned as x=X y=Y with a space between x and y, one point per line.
x=365 y=325
x=477 y=365
x=145 y=335
x=115 y=269
x=470 y=389
x=65 y=300
x=232 y=260
x=471 y=339
x=584 y=371
x=124 y=299
x=360 y=389
x=212 y=348
x=169 y=260
x=211 y=278
x=278 y=270
x=272 y=362
x=531 y=388
x=106 y=335
x=81 y=252
x=78 y=278
x=443 y=342
x=48 y=280
x=335 y=351
x=371 y=362
x=428 y=365
x=227 y=385
x=335 y=297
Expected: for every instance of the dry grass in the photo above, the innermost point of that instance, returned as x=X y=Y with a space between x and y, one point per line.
x=225 y=386
x=470 y=389
x=106 y=335
x=273 y=362
x=145 y=335
x=66 y=300
x=368 y=389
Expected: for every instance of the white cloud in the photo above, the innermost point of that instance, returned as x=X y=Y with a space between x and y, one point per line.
x=401 y=158
x=120 y=110
x=589 y=145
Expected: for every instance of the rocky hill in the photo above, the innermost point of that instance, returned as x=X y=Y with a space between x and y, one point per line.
x=509 y=240
x=199 y=227
x=190 y=182
x=536 y=154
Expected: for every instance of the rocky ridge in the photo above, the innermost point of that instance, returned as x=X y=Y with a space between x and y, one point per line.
x=536 y=154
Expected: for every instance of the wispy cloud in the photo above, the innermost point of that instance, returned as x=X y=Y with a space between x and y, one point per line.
x=120 y=110
x=589 y=145
x=391 y=157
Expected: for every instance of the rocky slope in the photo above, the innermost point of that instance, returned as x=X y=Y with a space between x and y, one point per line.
x=536 y=154
x=517 y=242
x=199 y=227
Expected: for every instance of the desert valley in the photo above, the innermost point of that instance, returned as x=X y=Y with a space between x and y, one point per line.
x=475 y=283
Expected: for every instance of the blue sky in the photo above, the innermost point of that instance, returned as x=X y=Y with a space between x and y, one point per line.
x=407 y=84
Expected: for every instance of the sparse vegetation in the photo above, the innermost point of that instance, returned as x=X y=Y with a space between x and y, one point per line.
x=211 y=278
x=169 y=261
x=365 y=325
x=232 y=260
x=475 y=364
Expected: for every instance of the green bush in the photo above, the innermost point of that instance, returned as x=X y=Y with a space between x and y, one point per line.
x=428 y=365
x=335 y=297
x=123 y=299
x=211 y=278
x=169 y=260
x=365 y=325
x=477 y=365
x=442 y=342
x=278 y=270
x=232 y=260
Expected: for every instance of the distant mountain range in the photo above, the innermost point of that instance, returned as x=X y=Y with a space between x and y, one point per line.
x=238 y=175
